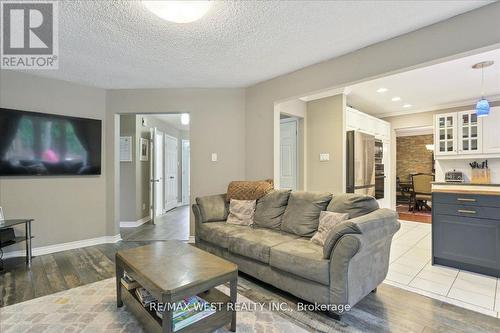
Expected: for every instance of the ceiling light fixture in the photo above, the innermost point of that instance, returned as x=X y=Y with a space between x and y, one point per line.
x=185 y=119
x=407 y=106
x=382 y=90
x=482 y=106
x=178 y=11
x=395 y=99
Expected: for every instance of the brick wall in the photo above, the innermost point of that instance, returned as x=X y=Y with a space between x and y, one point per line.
x=412 y=156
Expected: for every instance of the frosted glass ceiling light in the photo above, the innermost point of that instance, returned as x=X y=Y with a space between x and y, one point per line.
x=178 y=11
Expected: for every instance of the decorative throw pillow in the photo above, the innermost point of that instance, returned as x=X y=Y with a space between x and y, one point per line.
x=327 y=220
x=248 y=190
x=241 y=212
x=301 y=215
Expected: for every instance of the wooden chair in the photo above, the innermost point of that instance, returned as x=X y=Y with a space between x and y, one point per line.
x=422 y=190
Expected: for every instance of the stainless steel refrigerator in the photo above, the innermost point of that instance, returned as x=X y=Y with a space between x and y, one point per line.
x=360 y=163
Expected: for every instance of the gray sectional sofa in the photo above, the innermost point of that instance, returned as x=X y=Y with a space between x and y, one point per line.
x=277 y=248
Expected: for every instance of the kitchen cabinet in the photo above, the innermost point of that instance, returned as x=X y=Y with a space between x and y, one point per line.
x=464 y=135
x=469 y=133
x=445 y=134
x=491 y=126
x=466 y=231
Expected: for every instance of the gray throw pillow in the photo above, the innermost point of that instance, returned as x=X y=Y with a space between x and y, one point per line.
x=353 y=204
x=341 y=229
x=270 y=209
x=241 y=212
x=302 y=213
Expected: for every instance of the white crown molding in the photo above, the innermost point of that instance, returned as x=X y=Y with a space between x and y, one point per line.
x=467 y=103
x=42 y=250
x=134 y=224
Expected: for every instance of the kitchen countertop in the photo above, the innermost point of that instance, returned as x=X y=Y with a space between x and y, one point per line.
x=492 y=189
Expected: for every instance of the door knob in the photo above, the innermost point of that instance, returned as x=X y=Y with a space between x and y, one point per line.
x=172 y=177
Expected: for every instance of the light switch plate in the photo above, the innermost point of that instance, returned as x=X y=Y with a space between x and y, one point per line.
x=214 y=157
x=324 y=157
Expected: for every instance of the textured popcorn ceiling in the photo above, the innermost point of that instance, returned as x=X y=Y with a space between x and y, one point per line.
x=119 y=44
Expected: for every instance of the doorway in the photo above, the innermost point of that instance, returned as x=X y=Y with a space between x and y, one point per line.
x=151 y=177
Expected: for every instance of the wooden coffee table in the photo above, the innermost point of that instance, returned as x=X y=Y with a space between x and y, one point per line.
x=172 y=271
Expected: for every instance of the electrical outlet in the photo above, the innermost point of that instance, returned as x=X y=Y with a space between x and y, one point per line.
x=214 y=157
x=143 y=206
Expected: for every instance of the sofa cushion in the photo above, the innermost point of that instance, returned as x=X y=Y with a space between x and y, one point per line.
x=241 y=212
x=301 y=216
x=302 y=258
x=353 y=204
x=327 y=221
x=218 y=233
x=270 y=208
x=213 y=207
x=248 y=190
x=258 y=243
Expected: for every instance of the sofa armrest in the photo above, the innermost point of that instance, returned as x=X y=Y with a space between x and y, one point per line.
x=212 y=208
x=360 y=260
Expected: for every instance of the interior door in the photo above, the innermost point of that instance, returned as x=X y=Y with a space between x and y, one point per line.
x=171 y=172
x=185 y=172
x=288 y=154
x=158 y=172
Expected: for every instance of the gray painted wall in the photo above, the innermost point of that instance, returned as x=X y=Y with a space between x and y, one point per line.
x=66 y=208
x=325 y=134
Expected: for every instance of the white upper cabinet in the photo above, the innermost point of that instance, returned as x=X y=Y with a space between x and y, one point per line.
x=359 y=121
x=491 y=132
x=445 y=134
x=469 y=133
x=464 y=135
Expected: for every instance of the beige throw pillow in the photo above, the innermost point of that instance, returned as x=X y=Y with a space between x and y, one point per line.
x=241 y=212
x=327 y=220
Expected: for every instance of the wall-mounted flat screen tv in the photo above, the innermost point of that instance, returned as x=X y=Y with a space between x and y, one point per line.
x=41 y=144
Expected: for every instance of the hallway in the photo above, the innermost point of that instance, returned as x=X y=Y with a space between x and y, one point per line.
x=172 y=225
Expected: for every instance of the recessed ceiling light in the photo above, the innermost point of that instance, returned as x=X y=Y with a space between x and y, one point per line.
x=407 y=106
x=381 y=90
x=178 y=11
x=395 y=99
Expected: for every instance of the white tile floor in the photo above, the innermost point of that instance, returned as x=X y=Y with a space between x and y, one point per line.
x=410 y=269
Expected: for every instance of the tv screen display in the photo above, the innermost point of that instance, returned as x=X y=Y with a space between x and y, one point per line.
x=33 y=143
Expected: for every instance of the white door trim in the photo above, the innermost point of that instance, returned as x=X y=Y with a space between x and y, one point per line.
x=186 y=170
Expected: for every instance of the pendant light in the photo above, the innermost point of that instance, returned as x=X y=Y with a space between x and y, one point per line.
x=482 y=106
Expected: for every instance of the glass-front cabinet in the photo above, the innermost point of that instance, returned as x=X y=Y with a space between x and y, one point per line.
x=469 y=133
x=445 y=138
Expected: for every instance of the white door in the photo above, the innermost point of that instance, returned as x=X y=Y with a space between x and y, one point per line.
x=171 y=172
x=185 y=171
x=158 y=172
x=288 y=153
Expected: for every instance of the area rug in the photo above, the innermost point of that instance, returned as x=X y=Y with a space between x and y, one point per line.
x=92 y=308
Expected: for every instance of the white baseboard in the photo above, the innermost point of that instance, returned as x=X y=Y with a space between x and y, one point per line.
x=38 y=251
x=134 y=224
x=191 y=240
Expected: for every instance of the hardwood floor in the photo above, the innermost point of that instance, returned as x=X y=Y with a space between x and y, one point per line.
x=389 y=310
x=172 y=225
